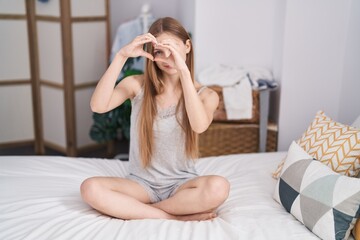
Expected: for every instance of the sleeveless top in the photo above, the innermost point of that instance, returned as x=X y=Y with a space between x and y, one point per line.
x=169 y=163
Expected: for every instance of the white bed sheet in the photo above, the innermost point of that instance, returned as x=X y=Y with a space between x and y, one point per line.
x=40 y=199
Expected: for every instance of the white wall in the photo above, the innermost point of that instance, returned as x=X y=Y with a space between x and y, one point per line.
x=278 y=43
x=247 y=32
x=124 y=10
x=187 y=14
x=234 y=32
x=311 y=46
x=349 y=107
x=313 y=64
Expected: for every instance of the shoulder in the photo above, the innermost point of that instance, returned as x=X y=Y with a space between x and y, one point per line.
x=132 y=84
x=208 y=96
x=206 y=92
x=137 y=80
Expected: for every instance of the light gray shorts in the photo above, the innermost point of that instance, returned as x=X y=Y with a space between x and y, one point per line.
x=156 y=193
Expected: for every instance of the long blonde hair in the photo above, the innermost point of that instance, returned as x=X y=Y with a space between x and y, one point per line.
x=154 y=85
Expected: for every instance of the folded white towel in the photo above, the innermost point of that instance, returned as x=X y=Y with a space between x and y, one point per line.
x=238 y=100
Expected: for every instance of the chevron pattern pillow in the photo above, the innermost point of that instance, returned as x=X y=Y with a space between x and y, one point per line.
x=327 y=203
x=334 y=144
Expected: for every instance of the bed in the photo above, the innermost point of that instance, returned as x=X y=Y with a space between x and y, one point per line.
x=40 y=199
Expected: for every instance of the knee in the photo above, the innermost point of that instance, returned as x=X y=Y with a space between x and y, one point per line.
x=89 y=190
x=217 y=190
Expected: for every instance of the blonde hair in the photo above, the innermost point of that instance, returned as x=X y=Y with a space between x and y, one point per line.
x=154 y=85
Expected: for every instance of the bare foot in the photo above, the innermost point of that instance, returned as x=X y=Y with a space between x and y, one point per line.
x=197 y=217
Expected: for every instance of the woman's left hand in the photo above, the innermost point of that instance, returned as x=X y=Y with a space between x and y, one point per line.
x=171 y=48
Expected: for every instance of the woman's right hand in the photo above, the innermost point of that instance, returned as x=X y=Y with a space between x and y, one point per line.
x=135 y=47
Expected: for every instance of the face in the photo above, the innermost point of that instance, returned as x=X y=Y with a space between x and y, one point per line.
x=163 y=57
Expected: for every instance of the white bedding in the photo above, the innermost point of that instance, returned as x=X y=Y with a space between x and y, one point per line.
x=40 y=199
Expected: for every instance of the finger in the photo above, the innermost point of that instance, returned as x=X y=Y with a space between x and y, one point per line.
x=145 y=37
x=171 y=43
x=147 y=55
x=151 y=36
x=145 y=40
x=160 y=59
x=166 y=49
x=167 y=45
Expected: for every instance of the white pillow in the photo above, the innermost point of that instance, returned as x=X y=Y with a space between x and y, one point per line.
x=327 y=203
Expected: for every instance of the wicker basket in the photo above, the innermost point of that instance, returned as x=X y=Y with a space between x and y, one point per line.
x=235 y=136
x=232 y=138
x=220 y=113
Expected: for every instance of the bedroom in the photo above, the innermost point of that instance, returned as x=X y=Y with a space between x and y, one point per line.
x=312 y=49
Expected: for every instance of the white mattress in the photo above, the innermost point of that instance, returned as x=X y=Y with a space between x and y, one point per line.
x=40 y=199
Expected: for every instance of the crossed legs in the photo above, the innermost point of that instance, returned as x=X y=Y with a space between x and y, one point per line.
x=126 y=199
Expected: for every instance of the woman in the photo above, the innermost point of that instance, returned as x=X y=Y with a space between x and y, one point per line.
x=169 y=110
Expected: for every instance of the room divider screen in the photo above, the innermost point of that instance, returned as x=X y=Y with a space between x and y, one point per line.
x=61 y=49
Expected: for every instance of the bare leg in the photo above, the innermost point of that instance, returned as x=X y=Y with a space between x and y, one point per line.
x=120 y=198
x=197 y=216
x=200 y=195
x=125 y=199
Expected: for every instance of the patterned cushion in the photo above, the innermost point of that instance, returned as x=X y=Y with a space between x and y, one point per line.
x=276 y=173
x=326 y=202
x=334 y=144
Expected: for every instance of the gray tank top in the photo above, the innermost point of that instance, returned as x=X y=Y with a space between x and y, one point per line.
x=169 y=163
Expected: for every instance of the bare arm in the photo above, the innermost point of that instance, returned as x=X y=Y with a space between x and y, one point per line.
x=200 y=108
x=105 y=96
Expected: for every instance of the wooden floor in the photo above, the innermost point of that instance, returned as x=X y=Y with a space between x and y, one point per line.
x=120 y=147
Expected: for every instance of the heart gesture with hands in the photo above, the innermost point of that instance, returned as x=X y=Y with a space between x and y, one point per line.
x=135 y=47
x=172 y=53
x=169 y=52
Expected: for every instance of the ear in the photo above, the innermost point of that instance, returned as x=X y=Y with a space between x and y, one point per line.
x=188 y=46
